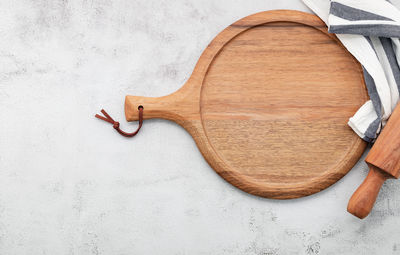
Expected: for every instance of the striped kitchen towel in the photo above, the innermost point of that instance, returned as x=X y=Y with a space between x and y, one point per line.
x=370 y=30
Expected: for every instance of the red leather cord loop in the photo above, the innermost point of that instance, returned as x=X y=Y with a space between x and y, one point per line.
x=116 y=123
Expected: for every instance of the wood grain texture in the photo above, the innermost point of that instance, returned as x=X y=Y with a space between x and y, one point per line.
x=385 y=154
x=384 y=162
x=268 y=105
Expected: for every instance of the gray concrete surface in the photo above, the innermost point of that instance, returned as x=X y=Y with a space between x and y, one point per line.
x=70 y=185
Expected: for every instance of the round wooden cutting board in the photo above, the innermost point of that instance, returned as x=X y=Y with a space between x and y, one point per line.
x=268 y=105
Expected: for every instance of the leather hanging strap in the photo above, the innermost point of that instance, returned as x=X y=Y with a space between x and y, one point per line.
x=116 y=123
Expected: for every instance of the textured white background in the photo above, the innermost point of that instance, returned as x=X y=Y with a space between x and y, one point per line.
x=69 y=184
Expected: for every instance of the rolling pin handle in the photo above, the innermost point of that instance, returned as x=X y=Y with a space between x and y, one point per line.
x=363 y=199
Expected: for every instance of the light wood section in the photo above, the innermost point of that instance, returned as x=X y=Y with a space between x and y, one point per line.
x=268 y=105
x=384 y=162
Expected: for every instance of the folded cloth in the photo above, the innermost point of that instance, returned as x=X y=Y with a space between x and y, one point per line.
x=370 y=30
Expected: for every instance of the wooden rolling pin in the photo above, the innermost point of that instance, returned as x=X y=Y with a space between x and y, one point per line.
x=384 y=163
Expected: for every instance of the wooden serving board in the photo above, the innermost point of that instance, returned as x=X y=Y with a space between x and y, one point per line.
x=268 y=104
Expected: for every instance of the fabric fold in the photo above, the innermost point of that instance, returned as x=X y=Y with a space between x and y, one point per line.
x=370 y=30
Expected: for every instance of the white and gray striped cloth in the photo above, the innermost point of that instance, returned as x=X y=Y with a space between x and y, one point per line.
x=370 y=30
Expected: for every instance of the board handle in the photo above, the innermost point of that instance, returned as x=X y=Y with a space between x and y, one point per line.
x=362 y=201
x=181 y=105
